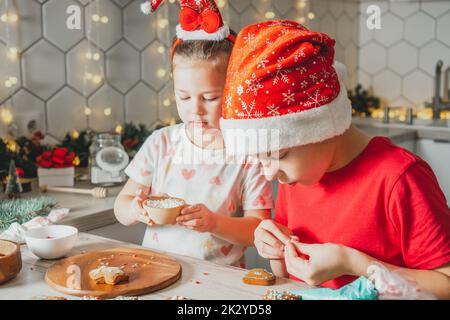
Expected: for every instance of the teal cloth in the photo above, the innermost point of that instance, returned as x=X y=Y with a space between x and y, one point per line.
x=360 y=289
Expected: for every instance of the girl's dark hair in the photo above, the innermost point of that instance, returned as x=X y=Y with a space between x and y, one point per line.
x=204 y=50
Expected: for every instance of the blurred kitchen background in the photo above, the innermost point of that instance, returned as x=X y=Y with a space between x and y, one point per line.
x=114 y=70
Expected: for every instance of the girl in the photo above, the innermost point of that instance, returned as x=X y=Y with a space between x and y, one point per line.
x=188 y=161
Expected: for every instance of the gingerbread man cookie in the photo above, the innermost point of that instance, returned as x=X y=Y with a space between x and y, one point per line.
x=108 y=275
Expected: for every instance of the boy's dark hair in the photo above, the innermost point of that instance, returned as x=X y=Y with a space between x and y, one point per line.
x=204 y=50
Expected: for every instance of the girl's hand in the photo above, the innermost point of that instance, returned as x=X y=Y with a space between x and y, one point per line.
x=198 y=217
x=138 y=210
x=316 y=263
x=270 y=239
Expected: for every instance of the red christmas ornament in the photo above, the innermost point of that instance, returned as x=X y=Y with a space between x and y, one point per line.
x=20 y=172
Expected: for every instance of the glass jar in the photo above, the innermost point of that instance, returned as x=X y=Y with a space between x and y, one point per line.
x=108 y=160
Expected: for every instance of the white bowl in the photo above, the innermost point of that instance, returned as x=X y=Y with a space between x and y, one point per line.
x=51 y=242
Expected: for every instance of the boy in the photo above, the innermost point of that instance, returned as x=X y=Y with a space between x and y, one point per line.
x=345 y=200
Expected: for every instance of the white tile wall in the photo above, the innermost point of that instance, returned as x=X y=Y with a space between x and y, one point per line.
x=131 y=75
x=340 y=19
x=56 y=80
x=398 y=62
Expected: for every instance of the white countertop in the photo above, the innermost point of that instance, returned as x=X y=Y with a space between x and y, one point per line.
x=86 y=212
x=219 y=282
x=398 y=132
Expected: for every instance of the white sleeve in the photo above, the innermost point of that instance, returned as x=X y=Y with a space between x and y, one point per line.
x=142 y=168
x=257 y=191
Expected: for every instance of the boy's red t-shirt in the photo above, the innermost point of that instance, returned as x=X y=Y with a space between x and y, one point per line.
x=386 y=203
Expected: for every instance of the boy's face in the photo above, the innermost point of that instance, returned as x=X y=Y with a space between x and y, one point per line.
x=304 y=164
x=198 y=93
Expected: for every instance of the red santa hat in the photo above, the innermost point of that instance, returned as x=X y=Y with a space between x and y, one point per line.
x=199 y=20
x=282 y=78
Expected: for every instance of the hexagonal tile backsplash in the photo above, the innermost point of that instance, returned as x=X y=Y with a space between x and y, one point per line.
x=115 y=67
x=398 y=61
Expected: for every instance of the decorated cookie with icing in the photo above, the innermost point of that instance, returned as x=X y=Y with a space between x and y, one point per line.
x=277 y=295
x=108 y=275
x=260 y=277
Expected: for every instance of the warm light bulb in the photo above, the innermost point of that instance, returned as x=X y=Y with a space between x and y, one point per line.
x=13 y=17
x=97 y=79
x=6 y=116
x=13 y=53
x=75 y=134
x=8 y=83
x=311 y=15
x=87 y=111
x=270 y=15
x=96 y=17
x=221 y=3
x=119 y=129
x=173 y=121
x=166 y=103
x=96 y=56
x=4 y=17
x=89 y=55
x=12 y=145
x=301 y=20
x=161 y=73
x=13 y=80
x=105 y=19
x=301 y=4
x=162 y=23
x=161 y=49
x=107 y=112
x=172 y=1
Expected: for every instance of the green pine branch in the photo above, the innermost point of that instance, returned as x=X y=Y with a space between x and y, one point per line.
x=23 y=210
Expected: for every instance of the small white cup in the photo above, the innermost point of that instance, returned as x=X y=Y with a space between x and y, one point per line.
x=51 y=242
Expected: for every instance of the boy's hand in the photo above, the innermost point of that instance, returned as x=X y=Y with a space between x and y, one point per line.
x=316 y=263
x=270 y=239
x=198 y=217
x=138 y=210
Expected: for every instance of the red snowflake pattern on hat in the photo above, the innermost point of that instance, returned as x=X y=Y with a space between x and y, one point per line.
x=280 y=72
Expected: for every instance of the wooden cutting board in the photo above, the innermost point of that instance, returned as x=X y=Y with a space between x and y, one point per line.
x=148 y=271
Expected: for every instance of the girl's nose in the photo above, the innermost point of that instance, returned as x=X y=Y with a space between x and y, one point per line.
x=199 y=108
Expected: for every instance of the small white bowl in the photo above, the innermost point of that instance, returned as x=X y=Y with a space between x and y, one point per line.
x=51 y=242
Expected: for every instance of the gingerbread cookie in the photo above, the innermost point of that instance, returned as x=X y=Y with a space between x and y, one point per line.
x=108 y=275
x=277 y=295
x=260 y=277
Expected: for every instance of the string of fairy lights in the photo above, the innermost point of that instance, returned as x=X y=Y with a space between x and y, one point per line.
x=9 y=20
x=94 y=70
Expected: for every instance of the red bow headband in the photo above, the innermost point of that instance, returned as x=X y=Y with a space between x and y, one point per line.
x=199 y=20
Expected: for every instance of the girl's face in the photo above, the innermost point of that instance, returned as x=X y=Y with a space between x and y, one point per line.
x=198 y=93
x=304 y=164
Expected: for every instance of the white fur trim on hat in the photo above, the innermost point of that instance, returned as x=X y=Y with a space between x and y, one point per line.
x=290 y=130
x=146 y=7
x=219 y=35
